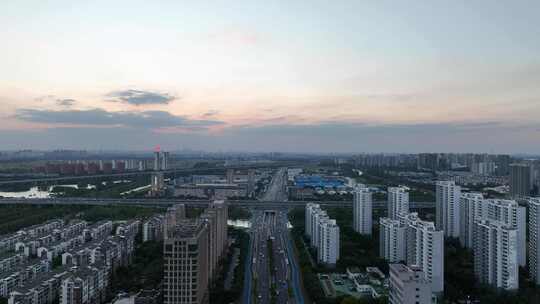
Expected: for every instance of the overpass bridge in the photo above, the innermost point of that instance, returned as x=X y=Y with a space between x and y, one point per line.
x=380 y=205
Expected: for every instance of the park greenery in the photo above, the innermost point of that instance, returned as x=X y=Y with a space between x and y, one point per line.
x=145 y=271
x=218 y=293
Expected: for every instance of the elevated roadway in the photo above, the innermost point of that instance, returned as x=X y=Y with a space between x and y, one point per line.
x=195 y=203
x=131 y=173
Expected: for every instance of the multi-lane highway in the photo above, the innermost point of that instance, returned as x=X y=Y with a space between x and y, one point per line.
x=274 y=272
x=277 y=190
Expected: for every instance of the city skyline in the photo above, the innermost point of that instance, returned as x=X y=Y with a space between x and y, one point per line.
x=247 y=76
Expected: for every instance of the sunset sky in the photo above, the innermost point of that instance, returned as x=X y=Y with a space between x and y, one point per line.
x=292 y=76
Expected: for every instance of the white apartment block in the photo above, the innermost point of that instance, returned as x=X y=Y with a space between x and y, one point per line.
x=398 y=201
x=505 y=211
x=391 y=240
x=362 y=210
x=408 y=285
x=496 y=254
x=424 y=248
x=323 y=233
x=153 y=228
x=310 y=207
x=534 y=239
x=447 y=204
x=328 y=249
x=470 y=209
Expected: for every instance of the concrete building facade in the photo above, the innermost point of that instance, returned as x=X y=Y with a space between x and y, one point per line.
x=508 y=212
x=391 y=240
x=362 y=210
x=398 y=201
x=408 y=285
x=534 y=239
x=185 y=268
x=496 y=254
x=447 y=205
x=424 y=249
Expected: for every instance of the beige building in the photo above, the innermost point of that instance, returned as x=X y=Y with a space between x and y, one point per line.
x=186 y=263
x=216 y=217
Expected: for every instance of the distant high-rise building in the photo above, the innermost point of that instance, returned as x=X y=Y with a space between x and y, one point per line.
x=164 y=160
x=496 y=254
x=251 y=182
x=185 y=254
x=161 y=161
x=362 y=210
x=424 y=248
x=174 y=215
x=391 y=240
x=503 y=165
x=398 y=201
x=534 y=240
x=428 y=161
x=157 y=161
x=142 y=165
x=158 y=182
x=520 y=180
x=408 y=285
x=230 y=176
x=447 y=214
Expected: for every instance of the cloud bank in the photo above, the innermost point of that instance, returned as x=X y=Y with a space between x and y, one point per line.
x=100 y=117
x=140 y=97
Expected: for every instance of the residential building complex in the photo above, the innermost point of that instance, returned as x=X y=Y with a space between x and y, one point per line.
x=398 y=201
x=362 y=210
x=391 y=240
x=496 y=254
x=424 y=249
x=89 y=255
x=447 y=204
x=508 y=212
x=328 y=248
x=470 y=209
x=323 y=233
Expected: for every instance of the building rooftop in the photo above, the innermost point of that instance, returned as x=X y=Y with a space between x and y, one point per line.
x=186 y=229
